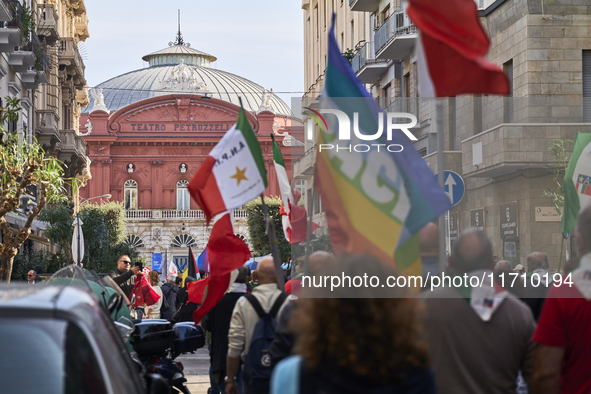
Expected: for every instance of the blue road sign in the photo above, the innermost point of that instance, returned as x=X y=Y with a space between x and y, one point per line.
x=453 y=185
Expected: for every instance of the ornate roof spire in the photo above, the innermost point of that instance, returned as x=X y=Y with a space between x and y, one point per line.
x=179 y=37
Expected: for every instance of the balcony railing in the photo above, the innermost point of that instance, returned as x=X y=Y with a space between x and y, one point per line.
x=174 y=214
x=47 y=23
x=70 y=57
x=366 y=66
x=138 y=214
x=364 y=5
x=397 y=25
x=182 y=214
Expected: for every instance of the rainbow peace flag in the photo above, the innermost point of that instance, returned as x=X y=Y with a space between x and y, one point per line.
x=375 y=201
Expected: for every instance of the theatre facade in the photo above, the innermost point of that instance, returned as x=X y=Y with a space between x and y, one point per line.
x=149 y=131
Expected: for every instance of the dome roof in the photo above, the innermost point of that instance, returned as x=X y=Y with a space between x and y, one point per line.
x=180 y=69
x=190 y=56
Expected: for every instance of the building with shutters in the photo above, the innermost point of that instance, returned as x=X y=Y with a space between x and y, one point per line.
x=500 y=146
x=40 y=64
x=148 y=131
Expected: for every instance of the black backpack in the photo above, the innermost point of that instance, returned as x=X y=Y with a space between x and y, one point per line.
x=257 y=363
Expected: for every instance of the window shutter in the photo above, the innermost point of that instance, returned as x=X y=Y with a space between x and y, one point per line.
x=587 y=86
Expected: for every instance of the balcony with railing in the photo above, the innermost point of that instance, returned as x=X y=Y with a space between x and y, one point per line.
x=81 y=24
x=47 y=24
x=366 y=66
x=396 y=37
x=174 y=214
x=10 y=27
x=503 y=144
x=47 y=128
x=72 y=147
x=69 y=56
x=364 y=5
x=39 y=72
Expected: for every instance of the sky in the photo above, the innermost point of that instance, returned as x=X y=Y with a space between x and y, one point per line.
x=260 y=40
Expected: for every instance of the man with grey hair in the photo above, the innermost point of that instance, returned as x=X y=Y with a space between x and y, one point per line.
x=32 y=277
x=479 y=338
x=562 y=362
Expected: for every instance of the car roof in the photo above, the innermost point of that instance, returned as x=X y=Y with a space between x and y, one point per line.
x=42 y=297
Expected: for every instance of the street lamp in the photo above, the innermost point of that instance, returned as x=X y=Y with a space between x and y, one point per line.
x=77 y=247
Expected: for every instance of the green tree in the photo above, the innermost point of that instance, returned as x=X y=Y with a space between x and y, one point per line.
x=24 y=171
x=38 y=260
x=257 y=227
x=60 y=218
x=103 y=229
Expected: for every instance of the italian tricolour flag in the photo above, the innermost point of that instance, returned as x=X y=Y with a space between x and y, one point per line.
x=233 y=173
x=284 y=187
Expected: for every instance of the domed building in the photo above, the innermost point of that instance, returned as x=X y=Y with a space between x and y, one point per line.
x=149 y=130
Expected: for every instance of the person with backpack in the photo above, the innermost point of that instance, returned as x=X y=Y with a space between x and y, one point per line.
x=169 y=291
x=252 y=329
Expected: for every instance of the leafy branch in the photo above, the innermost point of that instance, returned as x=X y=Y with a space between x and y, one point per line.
x=560 y=150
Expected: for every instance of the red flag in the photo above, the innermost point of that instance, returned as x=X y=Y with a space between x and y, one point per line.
x=454 y=22
x=299 y=224
x=297 y=227
x=144 y=294
x=216 y=289
x=450 y=49
x=226 y=252
x=197 y=289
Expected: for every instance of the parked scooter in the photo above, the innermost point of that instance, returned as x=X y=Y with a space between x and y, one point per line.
x=157 y=343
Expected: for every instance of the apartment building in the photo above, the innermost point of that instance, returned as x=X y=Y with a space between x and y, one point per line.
x=40 y=64
x=500 y=146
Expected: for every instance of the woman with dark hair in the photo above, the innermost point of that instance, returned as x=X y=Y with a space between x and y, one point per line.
x=356 y=339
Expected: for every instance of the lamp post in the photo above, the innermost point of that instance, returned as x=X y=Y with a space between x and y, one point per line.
x=78 y=225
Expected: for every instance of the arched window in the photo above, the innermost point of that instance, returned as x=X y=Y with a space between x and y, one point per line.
x=183 y=241
x=182 y=195
x=135 y=241
x=130 y=197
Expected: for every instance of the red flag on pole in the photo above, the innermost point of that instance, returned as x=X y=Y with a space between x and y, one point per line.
x=450 y=47
x=226 y=252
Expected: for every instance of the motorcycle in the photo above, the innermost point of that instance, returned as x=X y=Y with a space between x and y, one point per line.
x=157 y=343
x=153 y=343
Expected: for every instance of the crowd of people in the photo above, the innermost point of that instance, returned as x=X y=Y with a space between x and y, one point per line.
x=502 y=337
x=468 y=339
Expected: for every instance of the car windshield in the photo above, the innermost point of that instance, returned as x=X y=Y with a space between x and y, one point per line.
x=47 y=356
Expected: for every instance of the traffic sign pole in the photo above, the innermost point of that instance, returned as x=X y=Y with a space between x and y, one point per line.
x=440 y=169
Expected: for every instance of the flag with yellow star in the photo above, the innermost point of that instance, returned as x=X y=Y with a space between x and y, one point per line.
x=233 y=173
x=577 y=180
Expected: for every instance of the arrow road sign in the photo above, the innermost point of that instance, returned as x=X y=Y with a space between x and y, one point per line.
x=453 y=184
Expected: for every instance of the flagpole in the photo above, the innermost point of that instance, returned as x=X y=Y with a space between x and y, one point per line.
x=273 y=244
x=440 y=169
x=309 y=232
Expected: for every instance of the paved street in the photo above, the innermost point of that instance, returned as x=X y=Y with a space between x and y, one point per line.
x=196 y=370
